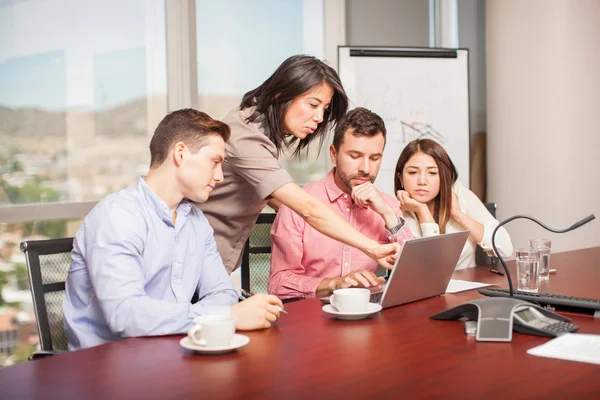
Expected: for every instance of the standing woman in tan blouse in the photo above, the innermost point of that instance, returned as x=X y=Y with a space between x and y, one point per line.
x=293 y=107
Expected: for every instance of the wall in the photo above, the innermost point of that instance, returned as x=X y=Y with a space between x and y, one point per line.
x=387 y=23
x=543 y=102
x=471 y=35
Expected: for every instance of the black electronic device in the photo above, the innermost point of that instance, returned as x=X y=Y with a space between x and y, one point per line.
x=495 y=315
x=496 y=320
x=529 y=320
x=561 y=302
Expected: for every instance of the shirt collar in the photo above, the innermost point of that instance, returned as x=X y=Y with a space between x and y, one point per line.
x=333 y=191
x=158 y=205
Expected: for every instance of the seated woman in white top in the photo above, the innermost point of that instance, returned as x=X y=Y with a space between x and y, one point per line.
x=434 y=202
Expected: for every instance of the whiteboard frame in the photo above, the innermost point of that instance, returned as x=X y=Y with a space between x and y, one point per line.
x=416 y=50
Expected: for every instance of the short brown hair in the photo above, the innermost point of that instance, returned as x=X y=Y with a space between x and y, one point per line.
x=447 y=171
x=362 y=122
x=188 y=126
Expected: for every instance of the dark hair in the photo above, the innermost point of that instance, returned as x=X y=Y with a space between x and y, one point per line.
x=447 y=172
x=362 y=122
x=189 y=126
x=295 y=76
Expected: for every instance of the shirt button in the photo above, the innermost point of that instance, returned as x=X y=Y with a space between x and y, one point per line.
x=347 y=210
x=345 y=196
x=345 y=264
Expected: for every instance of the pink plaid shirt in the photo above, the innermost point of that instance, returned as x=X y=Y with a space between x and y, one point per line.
x=302 y=257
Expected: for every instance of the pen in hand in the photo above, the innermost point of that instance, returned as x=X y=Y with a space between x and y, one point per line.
x=495 y=271
x=248 y=294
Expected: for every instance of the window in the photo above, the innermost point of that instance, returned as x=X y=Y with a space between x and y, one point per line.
x=83 y=85
x=241 y=43
x=78 y=101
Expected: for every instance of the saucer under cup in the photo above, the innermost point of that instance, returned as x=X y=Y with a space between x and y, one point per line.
x=237 y=342
x=373 y=308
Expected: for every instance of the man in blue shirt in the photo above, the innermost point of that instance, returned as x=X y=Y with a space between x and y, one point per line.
x=142 y=253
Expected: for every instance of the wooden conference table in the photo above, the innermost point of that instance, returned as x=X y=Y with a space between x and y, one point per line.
x=398 y=353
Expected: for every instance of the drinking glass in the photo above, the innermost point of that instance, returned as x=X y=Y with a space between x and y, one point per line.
x=528 y=264
x=543 y=245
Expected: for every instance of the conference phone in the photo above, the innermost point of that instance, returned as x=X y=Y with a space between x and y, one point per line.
x=530 y=321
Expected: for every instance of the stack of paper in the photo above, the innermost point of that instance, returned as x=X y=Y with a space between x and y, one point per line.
x=571 y=346
x=456 y=285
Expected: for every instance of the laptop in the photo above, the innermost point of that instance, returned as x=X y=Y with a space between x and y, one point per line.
x=422 y=270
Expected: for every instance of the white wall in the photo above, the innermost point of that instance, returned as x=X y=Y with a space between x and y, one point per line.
x=387 y=23
x=543 y=104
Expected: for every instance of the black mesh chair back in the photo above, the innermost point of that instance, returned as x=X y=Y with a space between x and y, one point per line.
x=256 y=259
x=481 y=257
x=48 y=263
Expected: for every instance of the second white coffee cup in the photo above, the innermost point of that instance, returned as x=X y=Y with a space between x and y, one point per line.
x=212 y=330
x=351 y=300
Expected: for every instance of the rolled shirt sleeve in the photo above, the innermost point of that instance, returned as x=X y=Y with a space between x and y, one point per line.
x=287 y=278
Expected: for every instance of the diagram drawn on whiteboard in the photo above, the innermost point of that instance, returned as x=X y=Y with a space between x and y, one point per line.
x=418 y=130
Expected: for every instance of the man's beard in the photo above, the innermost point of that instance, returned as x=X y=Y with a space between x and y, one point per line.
x=347 y=179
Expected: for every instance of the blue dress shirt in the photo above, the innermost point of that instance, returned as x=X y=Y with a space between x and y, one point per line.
x=134 y=272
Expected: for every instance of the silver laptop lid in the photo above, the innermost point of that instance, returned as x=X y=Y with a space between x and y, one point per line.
x=423 y=268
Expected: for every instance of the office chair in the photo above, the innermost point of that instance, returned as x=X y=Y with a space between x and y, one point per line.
x=481 y=257
x=48 y=263
x=256 y=259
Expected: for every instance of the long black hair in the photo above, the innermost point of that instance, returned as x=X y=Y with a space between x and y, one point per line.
x=295 y=76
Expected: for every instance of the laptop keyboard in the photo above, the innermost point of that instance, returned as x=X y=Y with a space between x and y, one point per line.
x=376 y=297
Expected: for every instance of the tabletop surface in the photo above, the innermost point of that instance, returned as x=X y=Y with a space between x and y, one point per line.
x=309 y=354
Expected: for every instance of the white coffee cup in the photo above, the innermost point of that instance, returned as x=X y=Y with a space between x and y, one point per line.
x=212 y=330
x=351 y=300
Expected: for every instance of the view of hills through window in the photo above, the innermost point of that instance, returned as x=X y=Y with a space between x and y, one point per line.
x=83 y=85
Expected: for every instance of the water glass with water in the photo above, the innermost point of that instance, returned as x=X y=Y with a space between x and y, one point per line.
x=543 y=245
x=528 y=263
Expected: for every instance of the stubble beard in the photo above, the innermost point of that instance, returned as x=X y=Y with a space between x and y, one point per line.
x=347 y=179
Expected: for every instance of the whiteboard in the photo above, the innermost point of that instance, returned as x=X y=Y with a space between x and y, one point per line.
x=419 y=93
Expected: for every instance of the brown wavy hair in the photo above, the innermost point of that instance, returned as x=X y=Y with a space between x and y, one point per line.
x=447 y=173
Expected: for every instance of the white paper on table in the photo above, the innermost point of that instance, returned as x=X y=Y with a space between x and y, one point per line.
x=571 y=346
x=457 y=285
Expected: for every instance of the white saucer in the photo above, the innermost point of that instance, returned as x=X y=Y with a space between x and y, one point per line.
x=238 y=341
x=372 y=309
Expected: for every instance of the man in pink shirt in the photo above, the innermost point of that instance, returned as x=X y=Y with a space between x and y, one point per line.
x=304 y=262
